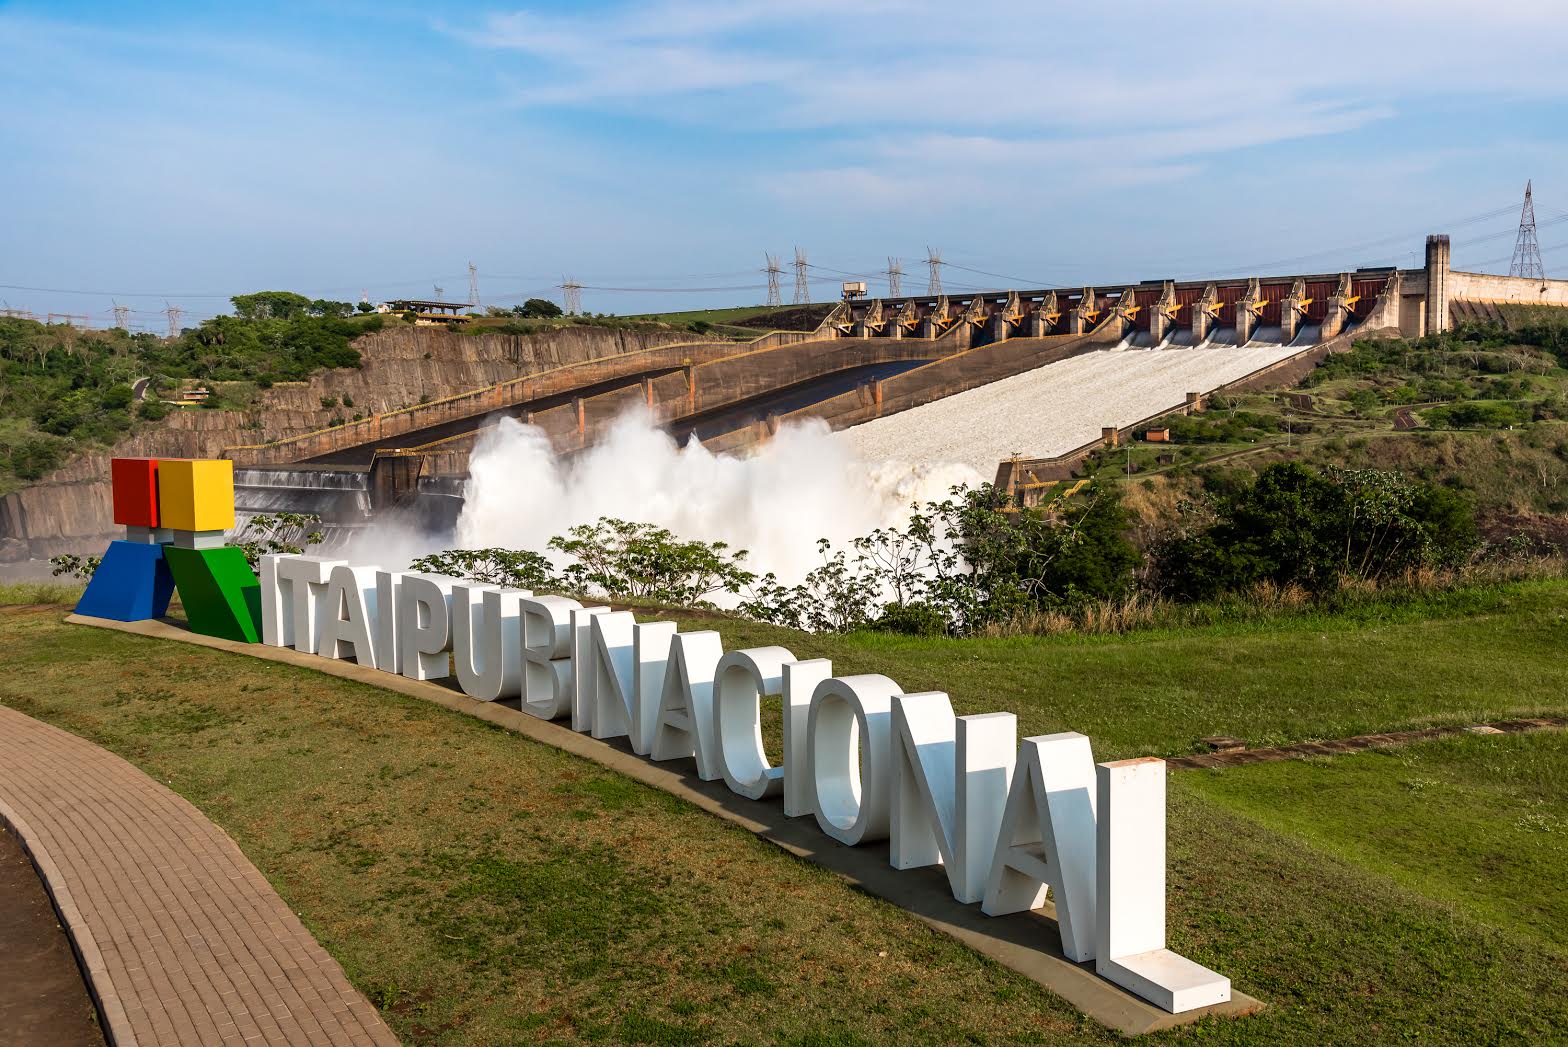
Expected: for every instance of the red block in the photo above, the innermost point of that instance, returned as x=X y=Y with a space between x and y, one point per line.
x=135 y=482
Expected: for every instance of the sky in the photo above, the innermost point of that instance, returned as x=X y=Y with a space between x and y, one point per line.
x=159 y=154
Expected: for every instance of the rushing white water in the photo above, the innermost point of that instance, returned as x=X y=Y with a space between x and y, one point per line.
x=800 y=486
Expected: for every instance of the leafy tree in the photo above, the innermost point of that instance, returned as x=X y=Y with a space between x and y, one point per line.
x=270 y=305
x=1296 y=526
x=513 y=568
x=538 y=309
x=364 y=307
x=267 y=533
x=620 y=558
x=73 y=566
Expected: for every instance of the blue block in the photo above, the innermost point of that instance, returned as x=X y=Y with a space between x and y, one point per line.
x=132 y=584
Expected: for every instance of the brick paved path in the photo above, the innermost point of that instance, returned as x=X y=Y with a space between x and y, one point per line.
x=182 y=940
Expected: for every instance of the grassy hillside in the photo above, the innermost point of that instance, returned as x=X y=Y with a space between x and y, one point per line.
x=1483 y=410
x=65 y=390
x=485 y=889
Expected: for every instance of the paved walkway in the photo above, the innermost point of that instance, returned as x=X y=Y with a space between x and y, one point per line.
x=182 y=940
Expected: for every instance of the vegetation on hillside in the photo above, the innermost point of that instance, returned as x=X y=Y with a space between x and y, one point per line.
x=64 y=390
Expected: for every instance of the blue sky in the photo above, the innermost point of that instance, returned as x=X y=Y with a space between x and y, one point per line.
x=197 y=151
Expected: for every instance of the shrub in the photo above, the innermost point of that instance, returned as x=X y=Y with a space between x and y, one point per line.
x=1296 y=526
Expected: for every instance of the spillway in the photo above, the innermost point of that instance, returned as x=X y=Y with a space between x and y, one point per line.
x=1059 y=407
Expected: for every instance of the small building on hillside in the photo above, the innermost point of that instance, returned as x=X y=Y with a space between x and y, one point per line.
x=1158 y=435
x=426 y=312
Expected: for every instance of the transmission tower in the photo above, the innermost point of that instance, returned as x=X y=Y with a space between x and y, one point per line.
x=802 y=285
x=895 y=276
x=173 y=313
x=440 y=292
x=934 y=260
x=572 y=293
x=122 y=316
x=774 y=271
x=1527 y=250
x=473 y=286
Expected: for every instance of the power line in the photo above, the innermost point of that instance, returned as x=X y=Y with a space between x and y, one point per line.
x=1526 y=261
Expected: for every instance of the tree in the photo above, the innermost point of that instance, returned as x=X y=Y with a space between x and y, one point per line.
x=277 y=533
x=513 y=568
x=365 y=307
x=1296 y=526
x=270 y=305
x=538 y=309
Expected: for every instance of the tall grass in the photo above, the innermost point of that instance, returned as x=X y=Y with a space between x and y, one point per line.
x=20 y=594
x=1268 y=601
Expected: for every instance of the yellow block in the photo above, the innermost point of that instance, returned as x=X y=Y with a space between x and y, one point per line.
x=196 y=494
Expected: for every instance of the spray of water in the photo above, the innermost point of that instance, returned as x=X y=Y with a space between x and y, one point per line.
x=800 y=486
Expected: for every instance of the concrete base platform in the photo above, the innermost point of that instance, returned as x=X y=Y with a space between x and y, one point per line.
x=1028 y=943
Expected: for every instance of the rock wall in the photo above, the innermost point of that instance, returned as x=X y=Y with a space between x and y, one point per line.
x=69 y=510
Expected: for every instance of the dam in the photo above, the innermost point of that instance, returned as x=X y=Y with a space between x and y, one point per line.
x=1028 y=381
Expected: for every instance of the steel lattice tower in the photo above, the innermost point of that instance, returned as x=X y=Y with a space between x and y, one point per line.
x=1527 y=250
x=572 y=295
x=774 y=271
x=173 y=313
x=934 y=260
x=895 y=277
x=473 y=285
x=802 y=285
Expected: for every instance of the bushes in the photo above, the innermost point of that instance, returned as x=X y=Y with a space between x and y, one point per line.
x=1474 y=415
x=1295 y=526
x=32 y=458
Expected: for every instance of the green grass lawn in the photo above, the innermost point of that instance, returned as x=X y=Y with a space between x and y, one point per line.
x=1456 y=657
x=482 y=888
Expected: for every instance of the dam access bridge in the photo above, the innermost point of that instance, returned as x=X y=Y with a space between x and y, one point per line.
x=871 y=359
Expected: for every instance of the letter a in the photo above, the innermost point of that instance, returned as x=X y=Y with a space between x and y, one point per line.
x=684 y=724
x=1047 y=839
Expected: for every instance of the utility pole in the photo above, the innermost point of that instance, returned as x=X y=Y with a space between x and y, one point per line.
x=802 y=285
x=895 y=277
x=173 y=313
x=572 y=295
x=934 y=260
x=1527 y=250
x=774 y=271
x=473 y=286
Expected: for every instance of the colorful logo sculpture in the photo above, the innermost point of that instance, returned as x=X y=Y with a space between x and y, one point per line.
x=175 y=512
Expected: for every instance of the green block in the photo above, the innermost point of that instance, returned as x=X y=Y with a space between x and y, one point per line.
x=220 y=592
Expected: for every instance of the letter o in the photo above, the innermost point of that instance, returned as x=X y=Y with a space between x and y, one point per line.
x=849 y=736
x=739 y=682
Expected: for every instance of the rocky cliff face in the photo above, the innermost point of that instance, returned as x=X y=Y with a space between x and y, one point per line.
x=69 y=511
